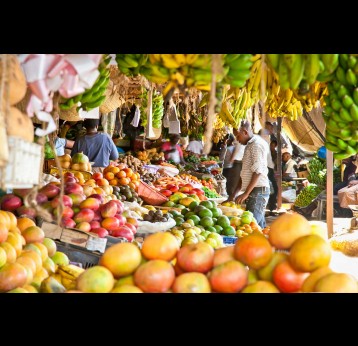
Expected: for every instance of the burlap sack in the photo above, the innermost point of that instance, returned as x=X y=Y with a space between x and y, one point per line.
x=348 y=195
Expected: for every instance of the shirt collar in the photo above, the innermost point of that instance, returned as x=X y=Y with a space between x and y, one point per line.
x=253 y=139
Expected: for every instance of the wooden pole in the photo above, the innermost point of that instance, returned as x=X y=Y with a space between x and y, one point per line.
x=329 y=191
x=279 y=163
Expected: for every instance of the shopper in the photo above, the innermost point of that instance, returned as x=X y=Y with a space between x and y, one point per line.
x=348 y=174
x=98 y=146
x=225 y=156
x=172 y=150
x=61 y=144
x=289 y=167
x=195 y=146
x=271 y=129
x=253 y=181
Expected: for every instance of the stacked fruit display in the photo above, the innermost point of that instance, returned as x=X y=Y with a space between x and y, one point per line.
x=94 y=97
x=27 y=258
x=117 y=176
x=341 y=110
x=254 y=264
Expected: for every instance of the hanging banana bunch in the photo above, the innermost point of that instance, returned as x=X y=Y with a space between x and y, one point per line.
x=131 y=64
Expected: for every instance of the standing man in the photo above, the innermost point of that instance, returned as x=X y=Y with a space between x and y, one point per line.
x=253 y=180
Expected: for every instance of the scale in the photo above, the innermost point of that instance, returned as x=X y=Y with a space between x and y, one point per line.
x=354 y=220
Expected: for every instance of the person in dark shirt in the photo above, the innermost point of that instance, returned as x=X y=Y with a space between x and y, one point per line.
x=348 y=175
x=98 y=146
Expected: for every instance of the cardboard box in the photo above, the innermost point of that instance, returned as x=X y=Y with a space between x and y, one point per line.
x=302 y=174
x=89 y=241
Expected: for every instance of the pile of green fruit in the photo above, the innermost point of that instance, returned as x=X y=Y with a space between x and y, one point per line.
x=307 y=195
x=126 y=193
x=157 y=109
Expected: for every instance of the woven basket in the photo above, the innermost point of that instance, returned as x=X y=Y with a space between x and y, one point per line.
x=70 y=115
x=150 y=195
x=112 y=101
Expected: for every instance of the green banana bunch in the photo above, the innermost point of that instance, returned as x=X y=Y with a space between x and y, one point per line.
x=238 y=69
x=307 y=195
x=341 y=108
x=93 y=97
x=143 y=108
x=157 y=109
x=131 y=64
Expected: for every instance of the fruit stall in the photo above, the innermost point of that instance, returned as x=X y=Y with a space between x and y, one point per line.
x=64 y=225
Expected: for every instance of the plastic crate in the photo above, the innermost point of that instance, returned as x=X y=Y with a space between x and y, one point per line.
x=150 y=195
x=79 y=255
x=229 y=240
x=23 y=168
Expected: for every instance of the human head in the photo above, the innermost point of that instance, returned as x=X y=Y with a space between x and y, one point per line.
x=273 y=144
x=90 y=124
x=286 y=156
x=174 y=138
x=244 y=133
x=269 y=127
x=230 y=138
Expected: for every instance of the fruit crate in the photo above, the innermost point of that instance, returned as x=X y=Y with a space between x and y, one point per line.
x=23 y=168
x=79 y=255
x=150 y=195
x=229 y=240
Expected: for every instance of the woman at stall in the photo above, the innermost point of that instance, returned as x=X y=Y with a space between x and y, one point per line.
x=172 y=150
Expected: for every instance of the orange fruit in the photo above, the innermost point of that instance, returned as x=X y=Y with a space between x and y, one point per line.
x=121 y=174
x=309 y=253
x=253 y=250
x=124 y=181
x=191 y=283
x=113 y=182
x=114 y=169
x=109 y=175
x=4 y=231
x=160 y=245
x=24 y=222
x=133 y=177
x=132 y=186
x=129 y=172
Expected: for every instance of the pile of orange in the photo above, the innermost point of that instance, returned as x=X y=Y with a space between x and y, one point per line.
x=122 y=177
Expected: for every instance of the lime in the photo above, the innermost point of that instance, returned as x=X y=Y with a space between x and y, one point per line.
x=193 y=204
x=194 y=218
x=211 y=229
x=188 y=214
x=174 y=213
x=218 y=229
x=205 y=234
x=200 y=238
x=189 y=233
x=205 y=212
x=216 y=212
x=246 y=219
x=207 y=204
x=189 y=240
x=199 y=208
x=229 y=231
x=217 y=237
x=168 y=204
x=184 y=211
x=190 y=222
x=215 y=220
x=179 y=220
x=223 y=221
x=206 y=221
x=180 y=206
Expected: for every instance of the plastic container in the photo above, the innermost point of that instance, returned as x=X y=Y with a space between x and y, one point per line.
x=229 y=240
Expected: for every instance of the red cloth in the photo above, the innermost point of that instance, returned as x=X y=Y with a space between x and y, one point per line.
x=166 y=146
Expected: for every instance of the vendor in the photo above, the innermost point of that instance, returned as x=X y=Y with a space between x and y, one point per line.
x=172 y=150
x=195 y=146
x=289 y=167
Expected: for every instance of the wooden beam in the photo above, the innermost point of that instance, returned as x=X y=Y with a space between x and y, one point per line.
x=329 y=191
x=279 y=163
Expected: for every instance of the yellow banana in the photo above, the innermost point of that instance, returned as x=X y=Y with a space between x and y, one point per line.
x=177 y=76
x=254 y=68
x=169 y=87
x=169 y=61
x=256 y=57
x=263 y=83
x=180 y=58
x=257 y=81
x=288 y=96
x=191 y=58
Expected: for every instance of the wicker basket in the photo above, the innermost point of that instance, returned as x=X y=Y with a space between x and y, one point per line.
x=70 y=115
x=112 y=101
x=150 y=195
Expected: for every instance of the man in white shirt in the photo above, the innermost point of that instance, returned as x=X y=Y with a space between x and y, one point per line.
x=195 y=146
x=290 y=165
x=253 y=181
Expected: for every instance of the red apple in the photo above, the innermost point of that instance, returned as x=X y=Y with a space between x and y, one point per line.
x=197 y=191
x=174 y=188
x=95 y=224
x=97 y=175
x=124 y=232
x=10 y=202
x=67 y=201
x=41 y=198
x=85 y=215
x=90 y=203
x=108 y=209
x=131 y=227
x=121 y=218
x=68 y=174
x=50 y=190
x=100 y=231
x=166 y=192
x=83 y=226
x=97 y=196
x=189 y=185
x=170 y=186
x=71 y=180
x=68 y=223
x=185 y=189
x=73 y=188
x=66 y=213
x=21 y=192
x=77 y=198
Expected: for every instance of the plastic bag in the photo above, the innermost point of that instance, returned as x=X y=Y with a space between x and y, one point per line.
x=135 y=120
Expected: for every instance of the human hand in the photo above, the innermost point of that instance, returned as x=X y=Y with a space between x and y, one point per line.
x=241 y=198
